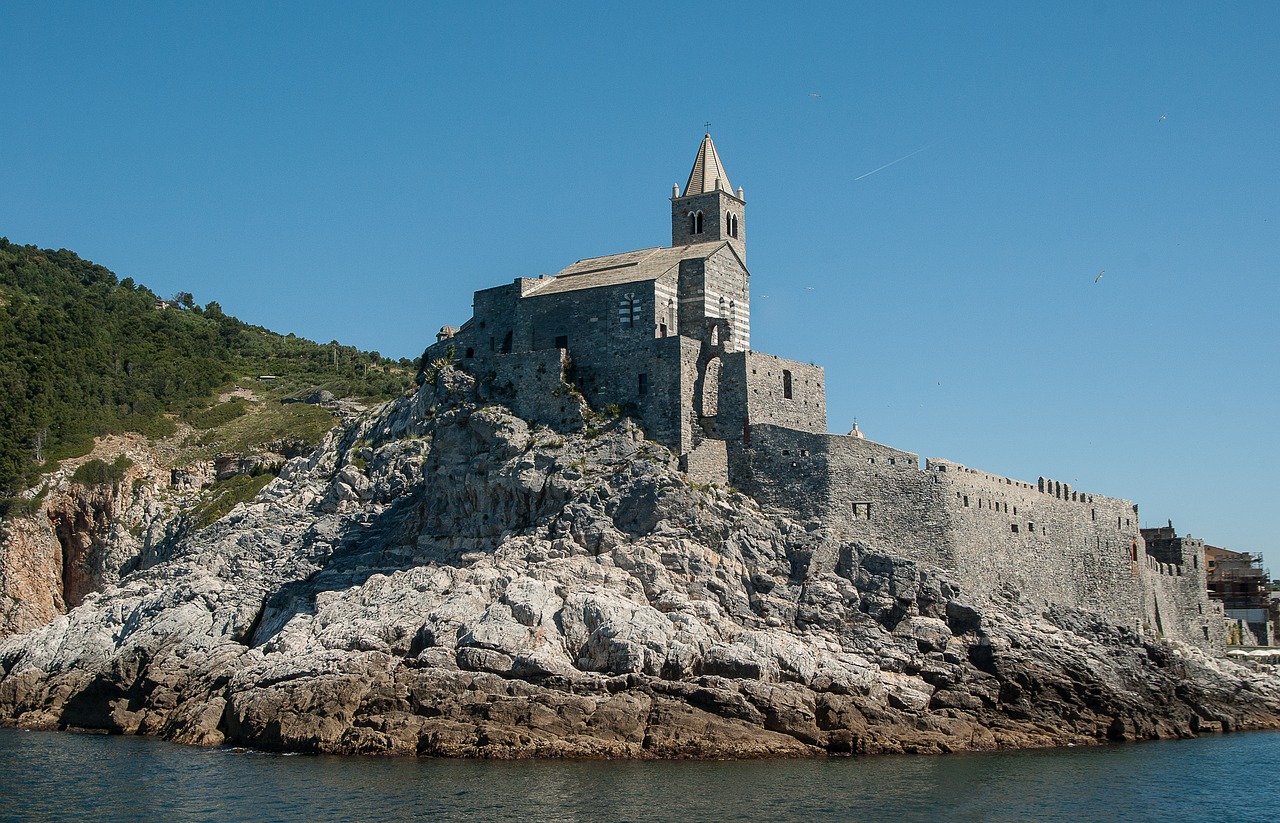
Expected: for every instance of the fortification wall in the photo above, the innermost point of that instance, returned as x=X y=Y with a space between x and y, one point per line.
x=532 y=385
x=754 y=388
x=1048 y=542
x=708 y=462
x=860 y=490
x=1175 y=602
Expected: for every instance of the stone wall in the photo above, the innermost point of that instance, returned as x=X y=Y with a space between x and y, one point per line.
x=715 y=301
x=589 y=319
x=532 y=384
x=1052 y=545
x=753 y=390
x=1175 y=603
x=861 y=490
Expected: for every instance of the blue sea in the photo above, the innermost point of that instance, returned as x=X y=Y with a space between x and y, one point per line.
x=54 y=777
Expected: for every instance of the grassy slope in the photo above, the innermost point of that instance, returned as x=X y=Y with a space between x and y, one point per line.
x=88 y=354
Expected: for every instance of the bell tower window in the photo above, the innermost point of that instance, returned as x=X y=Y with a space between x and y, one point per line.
x=695 y=222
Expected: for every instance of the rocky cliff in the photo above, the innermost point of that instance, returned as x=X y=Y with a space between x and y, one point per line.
x=443 y=578
x=79 y=538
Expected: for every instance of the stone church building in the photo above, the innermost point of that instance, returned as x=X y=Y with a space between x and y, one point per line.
x=663 y=335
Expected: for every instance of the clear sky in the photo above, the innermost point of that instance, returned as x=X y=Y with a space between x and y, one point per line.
x=354 y=171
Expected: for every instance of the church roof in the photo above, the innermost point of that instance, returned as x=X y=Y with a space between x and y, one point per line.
x=627 y=267
x=707 y=168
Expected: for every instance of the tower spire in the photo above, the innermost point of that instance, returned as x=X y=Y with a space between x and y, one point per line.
x=708 y=172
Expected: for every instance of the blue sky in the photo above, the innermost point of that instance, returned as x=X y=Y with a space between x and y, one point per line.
x=355 y=171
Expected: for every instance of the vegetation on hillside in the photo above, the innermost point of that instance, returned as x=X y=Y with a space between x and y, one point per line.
x=87 y=354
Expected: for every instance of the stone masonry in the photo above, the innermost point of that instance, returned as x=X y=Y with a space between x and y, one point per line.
x=663 y=335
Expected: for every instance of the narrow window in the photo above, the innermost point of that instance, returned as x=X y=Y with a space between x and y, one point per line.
x=693 y=223
x=966 y=500
x=470 y=353
x=644 y=383
x=786 y=384
x=662 y=330
x=562 y=341
x=1031 y=527
x=697 y=222
x=628 y=310
x=1014 y=527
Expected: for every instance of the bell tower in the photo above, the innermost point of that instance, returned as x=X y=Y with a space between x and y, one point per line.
x=709 y=210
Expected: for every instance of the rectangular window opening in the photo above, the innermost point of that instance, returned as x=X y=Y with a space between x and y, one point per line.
x=643 y=387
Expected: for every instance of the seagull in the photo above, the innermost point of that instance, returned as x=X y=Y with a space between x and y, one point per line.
x=1163 y=117
x=814 y=94
x=808 y=288
x=1099 y=277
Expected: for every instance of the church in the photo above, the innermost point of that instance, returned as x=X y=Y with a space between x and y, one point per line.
x=663 y=335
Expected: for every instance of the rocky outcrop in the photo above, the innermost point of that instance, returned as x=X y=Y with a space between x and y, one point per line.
x=444 y=578
x=78 y=538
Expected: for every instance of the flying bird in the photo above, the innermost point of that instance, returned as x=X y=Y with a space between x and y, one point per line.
x=1099 y=277
x=814 y=94
x=808 y=288
x=1163 y=117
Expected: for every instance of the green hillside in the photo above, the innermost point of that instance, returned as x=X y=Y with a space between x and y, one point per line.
x=87 y=354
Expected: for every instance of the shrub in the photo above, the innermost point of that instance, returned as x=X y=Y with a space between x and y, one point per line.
x=97 y=472
x=217 y=415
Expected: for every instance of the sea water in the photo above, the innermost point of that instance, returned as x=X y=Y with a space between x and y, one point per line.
x=54 y=777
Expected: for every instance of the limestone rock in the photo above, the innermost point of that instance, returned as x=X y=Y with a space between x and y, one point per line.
x=444 y=578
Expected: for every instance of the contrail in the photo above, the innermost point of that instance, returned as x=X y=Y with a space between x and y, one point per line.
x=887 y=165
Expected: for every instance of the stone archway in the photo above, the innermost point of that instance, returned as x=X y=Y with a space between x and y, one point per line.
x=709 y=391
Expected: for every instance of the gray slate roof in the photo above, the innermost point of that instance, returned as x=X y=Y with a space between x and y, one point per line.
x=627 y=267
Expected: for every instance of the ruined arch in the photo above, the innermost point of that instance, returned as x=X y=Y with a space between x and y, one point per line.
x=708 y=394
